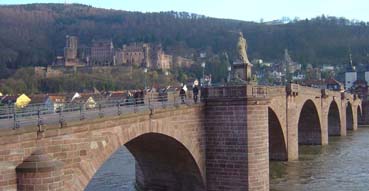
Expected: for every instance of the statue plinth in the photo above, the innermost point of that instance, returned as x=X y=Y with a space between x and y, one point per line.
x=242 y=71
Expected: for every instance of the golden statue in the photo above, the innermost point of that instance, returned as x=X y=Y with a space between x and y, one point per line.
x=242 y=49
x=242 y=66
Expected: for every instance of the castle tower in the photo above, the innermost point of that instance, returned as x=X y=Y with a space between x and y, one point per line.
x=350 y=74
x=71 y=50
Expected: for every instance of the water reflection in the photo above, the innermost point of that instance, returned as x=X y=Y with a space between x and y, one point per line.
x=340 y=166
x=117 y=173
x=343 y=165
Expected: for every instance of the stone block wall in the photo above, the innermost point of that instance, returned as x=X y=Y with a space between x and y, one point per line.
x=237 y=156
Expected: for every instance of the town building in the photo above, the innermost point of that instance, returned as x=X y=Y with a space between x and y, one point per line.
x=313 y=73
x=330 y=84
x=289 y=65
x=9 y=99
x=350 y=75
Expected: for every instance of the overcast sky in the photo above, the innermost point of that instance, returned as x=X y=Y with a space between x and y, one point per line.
x=234 y=9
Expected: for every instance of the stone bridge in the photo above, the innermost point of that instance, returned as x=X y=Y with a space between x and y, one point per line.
x=223 y=144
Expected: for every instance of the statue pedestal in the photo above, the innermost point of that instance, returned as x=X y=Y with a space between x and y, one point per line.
x=242 y=71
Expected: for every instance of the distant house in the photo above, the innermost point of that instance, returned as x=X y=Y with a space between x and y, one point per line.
x=335 y=85
x=360 y=87
x=38 y=99
x=7 y=100
x=88 y=100
x=116 y=95
x=331 y=84
x=55 y=102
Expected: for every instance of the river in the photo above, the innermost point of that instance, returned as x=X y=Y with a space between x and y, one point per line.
x=343 y=165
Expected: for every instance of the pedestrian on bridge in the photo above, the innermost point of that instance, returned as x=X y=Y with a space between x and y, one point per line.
x=195 y=91
x=182 y=93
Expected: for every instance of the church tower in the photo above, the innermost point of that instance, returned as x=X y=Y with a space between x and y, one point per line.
x=350 y=74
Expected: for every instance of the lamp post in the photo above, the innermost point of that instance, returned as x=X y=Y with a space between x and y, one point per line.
x=145 y=71
x=203 y=72
x=229 y=68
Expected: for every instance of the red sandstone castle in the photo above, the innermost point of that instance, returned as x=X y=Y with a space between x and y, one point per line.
x=103 y=53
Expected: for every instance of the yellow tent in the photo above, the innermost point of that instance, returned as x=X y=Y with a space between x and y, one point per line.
x=22 y=101
x=1 y=94
x=90 y=103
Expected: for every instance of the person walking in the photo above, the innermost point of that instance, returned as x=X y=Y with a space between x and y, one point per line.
x=182 y=94
x=195 y=91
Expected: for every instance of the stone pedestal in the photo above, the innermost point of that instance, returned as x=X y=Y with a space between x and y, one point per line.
x=237 y=152
x=40 y=173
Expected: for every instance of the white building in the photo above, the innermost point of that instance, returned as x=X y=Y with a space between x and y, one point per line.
x=350 y=75
x=367 y=75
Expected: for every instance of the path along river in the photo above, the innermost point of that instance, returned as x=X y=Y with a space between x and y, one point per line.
x=343 y=165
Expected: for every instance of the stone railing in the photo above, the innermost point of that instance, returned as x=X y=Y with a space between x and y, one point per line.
x=246 y=91
x=42 y=114
x=276 y=91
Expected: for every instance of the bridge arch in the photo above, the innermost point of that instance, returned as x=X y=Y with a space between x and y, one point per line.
x=160 y=157
x=309 y=127
x=334 y=120
x=84 y=148
x=360 y=116
x=349 y=116
x=163 y=163
x=277 y=143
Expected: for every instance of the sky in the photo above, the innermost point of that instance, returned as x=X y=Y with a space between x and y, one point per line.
x=254 y=10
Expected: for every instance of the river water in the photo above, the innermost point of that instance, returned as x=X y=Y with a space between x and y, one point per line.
x=343 y=165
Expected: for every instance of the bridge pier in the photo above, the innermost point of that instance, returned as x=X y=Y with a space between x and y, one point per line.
x=39 y=172
x=237 y=155
x=292 y=130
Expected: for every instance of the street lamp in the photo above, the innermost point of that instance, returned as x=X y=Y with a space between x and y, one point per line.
x=229 y=73
x=145 y=71
x=203 y=72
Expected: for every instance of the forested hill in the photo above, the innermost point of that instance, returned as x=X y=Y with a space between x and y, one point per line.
x=33 y=34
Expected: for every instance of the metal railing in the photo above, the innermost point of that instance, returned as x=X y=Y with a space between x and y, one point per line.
x=42 y=114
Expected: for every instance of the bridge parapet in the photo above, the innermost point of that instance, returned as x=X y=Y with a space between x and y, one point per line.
x=276 y=91
x=41 y=115
x=309 y=90
x=248 y=91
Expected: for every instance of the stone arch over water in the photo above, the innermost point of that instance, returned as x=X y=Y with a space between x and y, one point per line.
x=309 y=128
x=277 y=143
x=349 y=117
x=334 y=120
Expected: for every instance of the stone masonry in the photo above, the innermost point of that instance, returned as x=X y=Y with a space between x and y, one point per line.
x=222 y=144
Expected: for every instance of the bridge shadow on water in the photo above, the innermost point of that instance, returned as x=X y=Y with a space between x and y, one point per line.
x=117 y=174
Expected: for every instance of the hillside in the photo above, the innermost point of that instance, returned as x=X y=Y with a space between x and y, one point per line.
x=34 y=34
